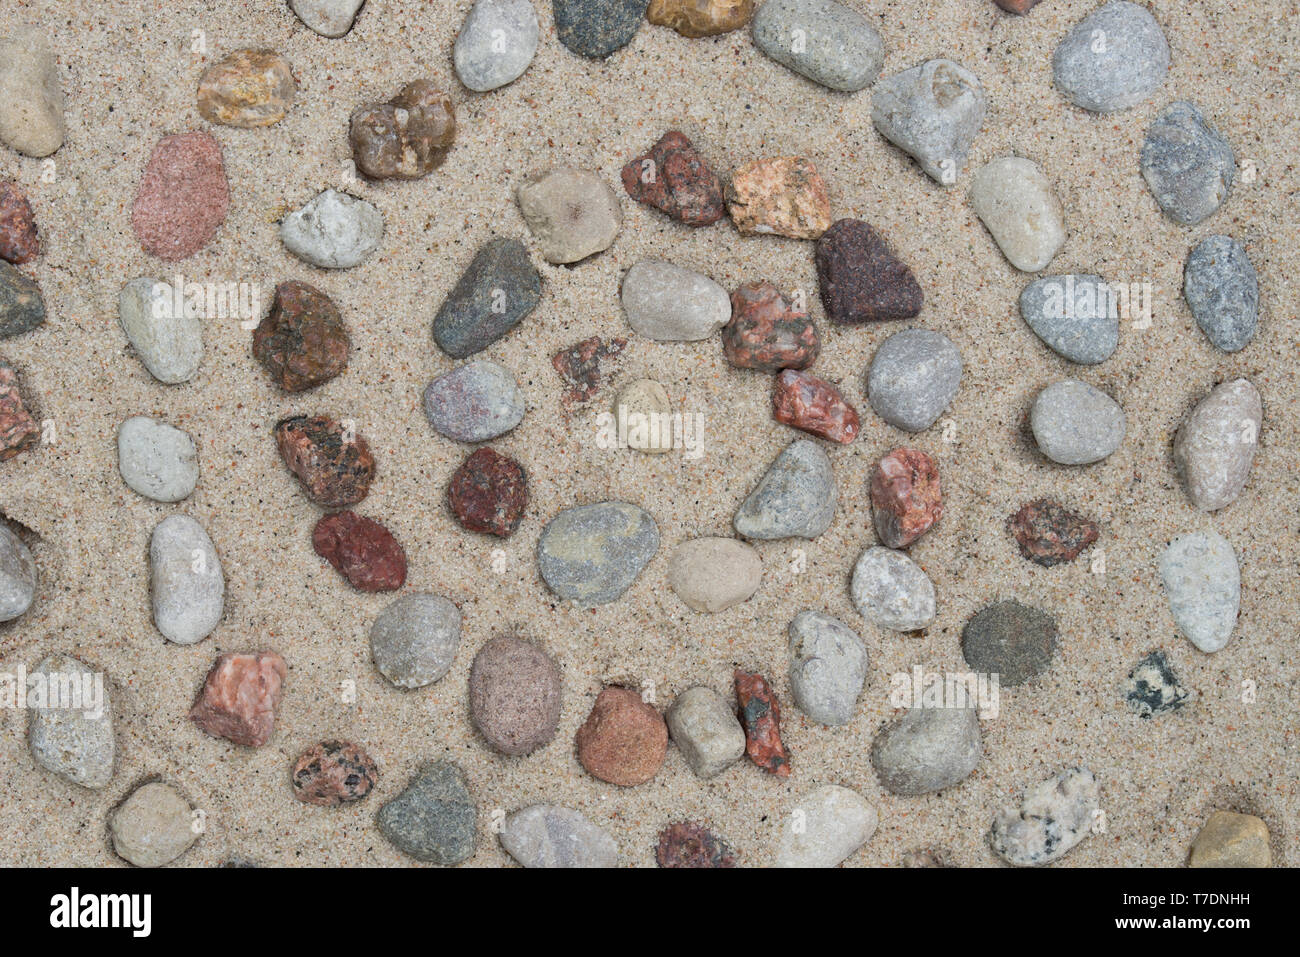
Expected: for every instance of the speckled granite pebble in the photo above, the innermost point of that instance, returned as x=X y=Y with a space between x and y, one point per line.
x=795 y=498
x=1153 y=688
x=1052 y=818
x=1222 y=290
x=183 y=196
x=515 y=693
x=1187 y=164
x=1114 y=58
x=596 y=28
x=435 y=819
x=21 y=307
x=499 y=288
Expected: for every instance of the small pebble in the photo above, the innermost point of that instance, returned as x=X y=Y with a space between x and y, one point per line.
x=333 y=773
x=1020 y=7
x=500 y=287
x=333 y=231
x=166 y=335
x=760 y=715
x=1231 y=840
x=406 y=138
x=675 y=179
x=1153 y=688
x=933 y=113
x=76 y=743
x=302 y=342
x=802 y=400
x=1018 y=206
x=156 y=460
x=496 y=43
x=1189 y=167
x=825 y=41
x=591 y=554
x=474 y=402
x=19 y=242
x=152 y=827
x=1222 y=291
x=571 y=213
x=624 y=740
x=927 y=749
x=1011 y=640
x=860 y=279
x=435 y=818
x=828 y=667
x=515 y=691
x=17 y=575
x=19 y=432
x=1203 y=584
x=779 y=196
x=713 y=574
x=766 y=332
x=892 y=592
x=1075 y=315
x=488 y=493
x=931 y=856
x=1076 y=424
x=644 y=410
x=545 y=835
x=596 y=28
x=704 y=728
x=183 y=196
x=239 y=698
x=687 y=844
x=795 y=498
x=362 y=550
x=1113 y=59
x=1215 y=446
x=906 y=499
x=414 y=640
x=584 y=367
x=673 y=304
x=332 y=462
x=21 y=307
x=825 y=828
x=1051 y=819
x=913 y=378
x=329 y=18
x=1049 y=534
x=700 y=18
x=31 y=96
x=247 y=89
x=186 y=582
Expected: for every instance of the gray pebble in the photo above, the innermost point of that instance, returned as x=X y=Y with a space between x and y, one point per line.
x=1020 y=209
x=157 y=460
x=1112 y=59
x=76 y=743
x=414 y=639
x=914 y=376
x=1051 y=819
x=795 y=498
x=596 y=28
x=1222 y=291
x=435 y=818
x=1153 y=688
x=1076 y=424
x=169 y=341
x=1215 y=447
x=1011 y=640
x=22 y=308
x=672 y=304
x=825 y=827
x=186 y=582
x=591 y=554
x=333 y=231
x=706 y=731
x=1077 y=316
x=1188 y=166
x=932 y=112
x=500 y=287
x=1203 y=584
x=834 y=45
x=329 y=18
x=474 y=402
x=828 y=666
x=927 y=749
x=891 y=591
x=496 y=43
x=17 y=575
x=152 y=827
x=545 y=835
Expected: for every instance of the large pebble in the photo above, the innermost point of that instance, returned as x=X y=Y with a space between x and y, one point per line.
x=22 y=307
x=624 y=740
x=406 y=138
x=545 y=835
x=488 y=493
x=891 y=591
x=500 y=287
x=247 y=89
x=157 y=460
x=932 y=112
x=1231 y=840
x=795 y=498
x=1018 y=206
x=906 y=497
x=329 y=18
x=75 y=742
x=591 y=554
x=1050 y=820
x=166 y=334
x=914 y=376
x=673 y=304
x=154 y=826
x=828 y=666
x=596 y=28
x=703 y=725
x=435 y=818
x=712 y=574
x=474 y=402
x=414 y=640
x=19 y=432
x=927 y=749
x=1011 y=640
x=572 y=213
x=514 y=695
x=1203 y=583
x=188 y=588
x=1075 y=423
x=1222 y=290
x=183 y=196
x=1187 y=164
x=31 y=97
x=496 y=43
x=825 y=827
x=1112 y=59
x=860 y=279
x=1215 y=446
x=302 y=342
x=17 y=575
x=1075 y=315
x=768 y=332
x=825 y=41
x=333 y=231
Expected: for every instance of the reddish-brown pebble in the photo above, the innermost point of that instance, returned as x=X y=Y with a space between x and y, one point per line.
x=183 y=196
x=405 y=138
x=488 y=493
x=1016 y=6
x=624 y=740
x=1049 y=533
x=362 y=550
x=674 y=178
x=18 y=430
x=333 y=773
x=585 y=365
x=333 y=463
x=18 y=240
x=688 y=844
x=239 y=698
x=806 y=402
x=760 y=713
x=766 y=332
x=860 y=279
x=906 y=499
x=302 y=341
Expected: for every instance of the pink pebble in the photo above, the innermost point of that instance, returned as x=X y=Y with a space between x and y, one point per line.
x=183 y=196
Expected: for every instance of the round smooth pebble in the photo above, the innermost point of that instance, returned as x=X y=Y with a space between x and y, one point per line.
x=1222 y=290
x=1112 y=59
x=414 y=639
x=914 y=376
x=183 y=196
x=591 y=554
x=31 y=97
x=474 y=402
x=571 y=212
x=1052 y=818
x=514 y=695
x=1215 y=447
x=673 y=304
x=825 y=828
x=933 y=113
x=247 y=89
x=891 y=591
x=167 y=335
x=329 y=18
x=157 y=460
x=596 y=28
x=153 y=826
x=704 y=727
x=1231 y=840
x=333 y=231
x=186 y=582
x=713 y=574
x=795 y=498
x=1075 y=315
x=927 y=749
x=1017 y=205
x=435 y=818
x=839 y=49
x=645 y=409
x=624 y=740
x=500 y=287
x=1203 y=583
x=1076 y=424
x=1011 y=640
x=17 y=575
x=828 y=667
x=496 y=43
x=76 y=743
x=545 y=835
x=1187 y=164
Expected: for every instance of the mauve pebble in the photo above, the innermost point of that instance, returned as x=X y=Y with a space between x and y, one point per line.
x=247 y=89
x=1051 y=818
x=584 y=367
x=183 y=196
x=1113 y=59
x=591 y=554
x=1203 y=584
x=514 y=695
x=828 y=42
x=624 y=740
x=766 y=332
x=1076 y=316
x=1048 y=533
x=333 y=230
x=913 y=378
x=927 y=749
x=186 y=583
x=1187 y=164
x=828 y=667
x=18 y=240
x=474 y=402
x=239 y=698
x=435 y=818
x=1076 y=424
x=331 y=460
x=488 y=493
x=362 y=550
x=22 y=307
x=891 y=591
x=333 y=773
x=795 y=498
x=932 y=112
x=691 y=845
x=1215 y=446
x=1222 y=291
x=414 y=640
x=1011 y=640
x=545 y=835
x=779 y=196
x=906 y=498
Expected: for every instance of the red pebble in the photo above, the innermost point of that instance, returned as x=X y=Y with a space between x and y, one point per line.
x=362 y=550
x=767 y=332
x=18 y=241
x=760 y=713
x=239 y=698
x=18 y=430
x=905 y=497
x=583 y=366
x=488 y=493
x=674 y=179
x=814 y=405
x=183 y=196
x=692 y=845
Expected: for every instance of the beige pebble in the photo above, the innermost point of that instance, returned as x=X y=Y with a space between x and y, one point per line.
x=153 y=827
x=1231 y=840
x=1018 y=206
x=31 y=98
x=646 y=408
x=711 y=574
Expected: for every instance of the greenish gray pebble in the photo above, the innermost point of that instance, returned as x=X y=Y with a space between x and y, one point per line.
x=591 y=554
x=435 y=818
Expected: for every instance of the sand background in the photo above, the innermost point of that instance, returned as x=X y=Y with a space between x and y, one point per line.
x=129 y=76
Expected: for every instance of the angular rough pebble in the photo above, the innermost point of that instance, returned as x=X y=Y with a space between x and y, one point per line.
x=806 y=402
x=760 y=714
x=906 y=498
x=361 y=550
x=302 y=342
x=1051 y=819
x=676 y=180
x=406 y=138
x=333 y=773
x=1049 y=534
x=331 y=460
x=795 y=498
x=781 y=196
x=767 y=332
x=239 y=698
x=687 y=844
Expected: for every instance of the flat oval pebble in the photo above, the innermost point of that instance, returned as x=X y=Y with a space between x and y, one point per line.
x=333 y=231
x=624 y=740
x=571 y=212
x=331 y=461
x=185 y=580
x=1114 y=58
x=76 y=743
x=153 y=826
x=22 y=308
x=19 y=241
x=927 y=749
x=1215 y=446
x=414 y=640
x=795 y=498
x=496 y=43
x=591 y=554
x=1050 y=820
x=247 y=89
x=1011 y=640
x=362 y=550
x=712 y=574
x=157 y=460
x=166 y=335
x=703 y=725
x=1203 y=584
x=474 y=402
x=17 y=575
x=31 y=96
x=500 y=287
x=913 y=378
x=932 y=112
x=596 y=28
x=825 y=41
x=302 y=341
x=1076 y=424
x=673 y=304
x=1019 y=208
x=329 y=18
x=1187 y=164
x=333 y=773
x=435 y=818
x=1075 y=315
x=183 y=196
x=406 y=138
x=1222 y=290
x=828 y=667
x=515 y=693
x=824 y=828
x=891 y=591
x=545 y=835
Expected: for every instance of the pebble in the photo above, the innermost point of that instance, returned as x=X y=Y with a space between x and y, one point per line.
x=928 y=857
x=183 y=196
x=860 y=279
x=406 y=138
x=333 y=231
x=1011 y=640
x=186 y=582
x=585 y=365
x=333 y=773
x=839 y=47
x=1222 y=291
x=802 y=400
x=329 y=18
x=1076 y=424
x=19 y=432
x=766 y=332
x=825 y=828
x=515 y=691
x=1215 y=446
x=302 y=342
x=239 y=698
x=1203 y=583
x=933 y=113
x=1018 y=206
x=675 y=179
x=892 y=592
x=571 y=213
x=168 y=340
x=779 y=196
x=17 y=575
x=21 y=307
x=624 y=740
x=19 y=242
x=795 y=498
x=704 y=728
x=591 y=554
x=157 y=460
x=247 y=89
x=1188 y=165
x=414 y=640
x=1231 y=840
x=828 y=667
x=545 y=835
x=31 y=97
x=700 y=18
x=152 y=827
x=1112 y=59
x=332 y=462
x=500 y=287
x=435 y=818
x=713 y=574
x=913 y=378
x=1050 y=534
x=362 y=550
x=596 y=28
x=644 y=408
x=691 y=845
x=906 y=498
x=927 y=749
x=1075 y=315
x=76 y=743
x=496 y=43
x=488 y=493
x=1153 y=688
x=474 y=402
x=1020 y=7
x=1051 y=819
x=673 y=304
x=760 y=715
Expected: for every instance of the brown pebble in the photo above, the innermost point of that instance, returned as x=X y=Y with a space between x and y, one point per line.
x=767 y=332
x=782 y=196
x=906 y=499
x=806 y=402
x=183 y=196
x=1049 y=534
x=18 y=239
x=624 y=740
x=674 y=178
x=585 y=365
x=860 y=279
x=700 y=18
x=489 y=493
x=688 y=844
x=239 y=698
x=302 y=341
x=362 y=550
x=332 y=462
x=18 y=430
x=405 y=138
x=1016 y=6
x=247 y=89
x=760 y=713
x=514 y=695
x=333 y=773
x=928 y=857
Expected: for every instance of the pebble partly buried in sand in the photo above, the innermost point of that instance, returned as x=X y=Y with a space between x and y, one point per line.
x=414 y=640
x=691 y=845
x=1153 y=688
x=545 y=835
x=1051 y=819
x=1011 y=640
x=1231 y=840
x=247 y=89
x=1050 y=534
x=183 y=196
x=824 y=828
x=329 y=18
x=828 y=667
x=624 y=740
x=19 y=432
